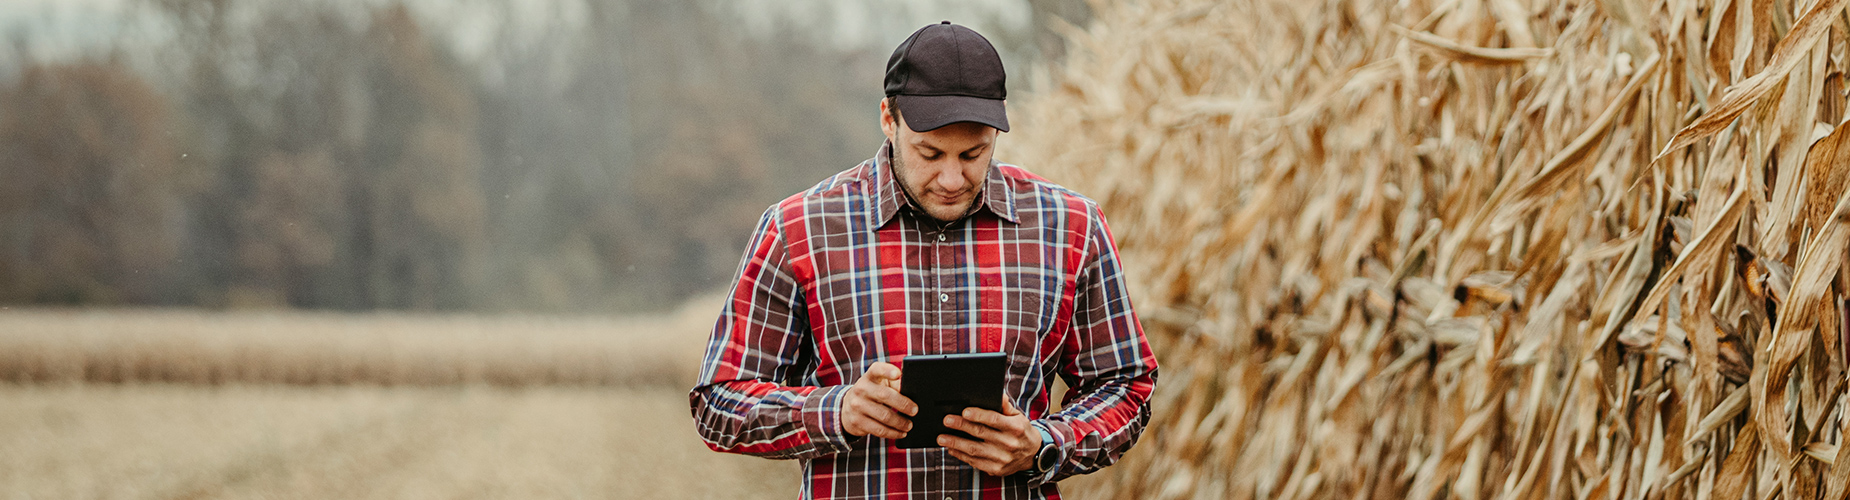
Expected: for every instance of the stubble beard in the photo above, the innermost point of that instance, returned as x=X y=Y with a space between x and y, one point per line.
x=952 y=213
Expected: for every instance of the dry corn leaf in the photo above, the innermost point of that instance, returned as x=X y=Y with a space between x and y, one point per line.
x=1789 y=53
x=1827 y=166
x=1471 y=53
x=1703 y=252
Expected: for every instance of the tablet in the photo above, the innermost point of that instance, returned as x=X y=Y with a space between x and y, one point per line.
x=945 y=384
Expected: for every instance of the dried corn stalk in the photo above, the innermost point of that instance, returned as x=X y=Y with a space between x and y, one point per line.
x=1472 y=248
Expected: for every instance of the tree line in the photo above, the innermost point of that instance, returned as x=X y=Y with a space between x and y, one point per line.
x=300 y=154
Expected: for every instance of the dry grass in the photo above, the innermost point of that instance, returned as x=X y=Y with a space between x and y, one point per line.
x=238 y=441
x=329 y=348
x=1474 y=249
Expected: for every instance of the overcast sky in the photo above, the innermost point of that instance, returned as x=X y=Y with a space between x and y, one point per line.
x=61 y=28
x=880 y=23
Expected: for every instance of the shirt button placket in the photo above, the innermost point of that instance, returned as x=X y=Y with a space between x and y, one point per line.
x=949 y=341
x=944 y=299
x=937 y=283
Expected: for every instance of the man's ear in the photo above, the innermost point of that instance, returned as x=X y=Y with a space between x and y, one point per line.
x=887 y=124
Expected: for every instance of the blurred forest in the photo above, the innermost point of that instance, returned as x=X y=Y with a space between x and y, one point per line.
x=344 y=155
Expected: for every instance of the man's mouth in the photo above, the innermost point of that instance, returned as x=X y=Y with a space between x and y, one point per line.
x=946 y=199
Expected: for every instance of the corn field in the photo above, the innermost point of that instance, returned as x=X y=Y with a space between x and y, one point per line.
x=1472 y=249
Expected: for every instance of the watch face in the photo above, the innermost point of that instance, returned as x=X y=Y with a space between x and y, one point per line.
x=1047 y=459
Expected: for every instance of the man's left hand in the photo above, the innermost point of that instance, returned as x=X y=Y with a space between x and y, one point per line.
x=1005 y=443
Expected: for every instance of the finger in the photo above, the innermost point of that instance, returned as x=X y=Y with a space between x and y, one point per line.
x=977 y=454
x=987 y=467
x=866 y=419
x=880 y=431
x=981 y=450
x=959 y=444
x=971 y=427
x=993 y=420
x=881 y=411
x=892 y=399
x=862 y=426
x=962 y=457
x=979 y=416
x=887 y=429
x=893 y=419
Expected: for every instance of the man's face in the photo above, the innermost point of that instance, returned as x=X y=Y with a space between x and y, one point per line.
x=941 y=170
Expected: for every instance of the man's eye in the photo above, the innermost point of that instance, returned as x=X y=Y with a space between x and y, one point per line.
x=932 y=157
x=969 y=157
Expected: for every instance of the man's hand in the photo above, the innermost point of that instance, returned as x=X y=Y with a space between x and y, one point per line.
x=873 y=406
x=1006 y=443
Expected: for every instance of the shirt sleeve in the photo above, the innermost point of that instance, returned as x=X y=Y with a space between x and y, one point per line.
x=1107 y=364
x=741 y=403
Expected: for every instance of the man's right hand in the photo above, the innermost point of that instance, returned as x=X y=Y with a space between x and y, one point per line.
x=873 y=406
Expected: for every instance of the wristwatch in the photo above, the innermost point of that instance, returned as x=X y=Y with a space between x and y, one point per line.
x=1048 y=457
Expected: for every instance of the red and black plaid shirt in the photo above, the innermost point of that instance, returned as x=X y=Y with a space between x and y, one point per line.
x=849 y=273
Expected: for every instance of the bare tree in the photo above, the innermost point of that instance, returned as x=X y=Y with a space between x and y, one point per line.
x=92 y=186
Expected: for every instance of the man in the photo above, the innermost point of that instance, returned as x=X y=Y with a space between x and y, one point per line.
x=931 y=247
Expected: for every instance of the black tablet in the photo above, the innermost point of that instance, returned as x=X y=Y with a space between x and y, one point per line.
x=945 y=384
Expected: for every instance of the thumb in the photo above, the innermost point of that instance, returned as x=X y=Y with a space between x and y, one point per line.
x=1008 y=408
x=884 y=373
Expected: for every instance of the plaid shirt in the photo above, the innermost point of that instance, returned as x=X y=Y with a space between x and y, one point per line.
x=849 y=273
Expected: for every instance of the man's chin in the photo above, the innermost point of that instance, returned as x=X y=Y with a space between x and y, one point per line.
x=946 y=213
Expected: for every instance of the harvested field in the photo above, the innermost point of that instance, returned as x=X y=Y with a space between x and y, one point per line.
x=162 y=441
x=1499 y=249
x=312 y=348
x=188 y=404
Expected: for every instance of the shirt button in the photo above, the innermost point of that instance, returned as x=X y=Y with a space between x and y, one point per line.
x=944 y=297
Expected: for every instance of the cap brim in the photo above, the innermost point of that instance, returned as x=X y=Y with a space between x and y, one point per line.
x=924 y=113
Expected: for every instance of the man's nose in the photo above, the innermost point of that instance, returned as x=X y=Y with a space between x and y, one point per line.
x=952 y=179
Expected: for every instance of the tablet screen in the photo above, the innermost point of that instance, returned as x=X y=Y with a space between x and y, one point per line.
x=945 y=384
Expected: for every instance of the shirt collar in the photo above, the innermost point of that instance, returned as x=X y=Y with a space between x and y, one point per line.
x=998 y=197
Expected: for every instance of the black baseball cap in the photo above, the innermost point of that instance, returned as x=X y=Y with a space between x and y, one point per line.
x=945 y=73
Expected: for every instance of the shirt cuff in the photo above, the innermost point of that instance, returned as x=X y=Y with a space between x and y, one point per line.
x=1048 y=437
x=822 y=420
